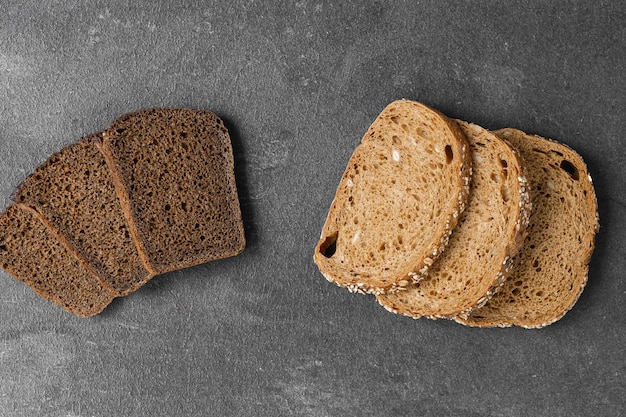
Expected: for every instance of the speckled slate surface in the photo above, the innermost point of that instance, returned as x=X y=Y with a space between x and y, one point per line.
x=298 y=83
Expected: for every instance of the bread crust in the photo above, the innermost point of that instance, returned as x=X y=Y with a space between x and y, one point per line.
x=373 y=278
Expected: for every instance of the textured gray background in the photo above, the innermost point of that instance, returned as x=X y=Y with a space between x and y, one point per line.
x=298 y=83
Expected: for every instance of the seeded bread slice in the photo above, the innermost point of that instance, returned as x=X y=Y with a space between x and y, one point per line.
x=32 y=252
x=174 y=174
x=400 y=196
x=74 y=191
x=550 y=272
x=490 y=231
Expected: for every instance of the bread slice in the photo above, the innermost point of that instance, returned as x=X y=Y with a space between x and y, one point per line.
x=74 y=191
x=490 y=231
x=550 y=272
x=32 y=252
x=174 y=174
x=400 y=196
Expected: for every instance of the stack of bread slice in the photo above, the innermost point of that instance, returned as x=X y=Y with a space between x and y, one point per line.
x=441 y=218
x=153 y=193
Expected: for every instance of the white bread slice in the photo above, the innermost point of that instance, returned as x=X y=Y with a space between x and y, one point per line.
x=398 y=200
x=550 y=272
x=490 y=231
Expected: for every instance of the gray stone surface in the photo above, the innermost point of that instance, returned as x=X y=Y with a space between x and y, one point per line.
x=298 y=83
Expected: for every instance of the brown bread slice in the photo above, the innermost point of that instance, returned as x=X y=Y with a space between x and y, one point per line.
x=74 y=191
x=32 y=252
x=490 y=231
x=174 y=173
x=550 y=272
x=386 y=225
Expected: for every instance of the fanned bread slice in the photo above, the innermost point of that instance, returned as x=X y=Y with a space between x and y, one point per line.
x=398 y=200
x=174 y=174
x=74 y=191
x=550 y=272
x=490 y=231
x=32 y=252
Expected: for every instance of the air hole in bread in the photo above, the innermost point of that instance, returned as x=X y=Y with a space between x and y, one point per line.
x=568 y=167
x=449 y=154
x=329 y=247
x=504 y=190
x=3 y=247
x=504 y=163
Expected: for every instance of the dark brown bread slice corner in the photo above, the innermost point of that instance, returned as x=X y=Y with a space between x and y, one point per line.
x=398 y=200
x=174 y=173
x=33 y=253
x=490 y=232
x=550 y=272
x=74 y=191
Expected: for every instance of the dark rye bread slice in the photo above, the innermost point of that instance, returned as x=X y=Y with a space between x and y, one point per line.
x=174 y=174
x=32 y=252
x=398 y=200
x=550 y=272
x=74 y=191
x=490 y=231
